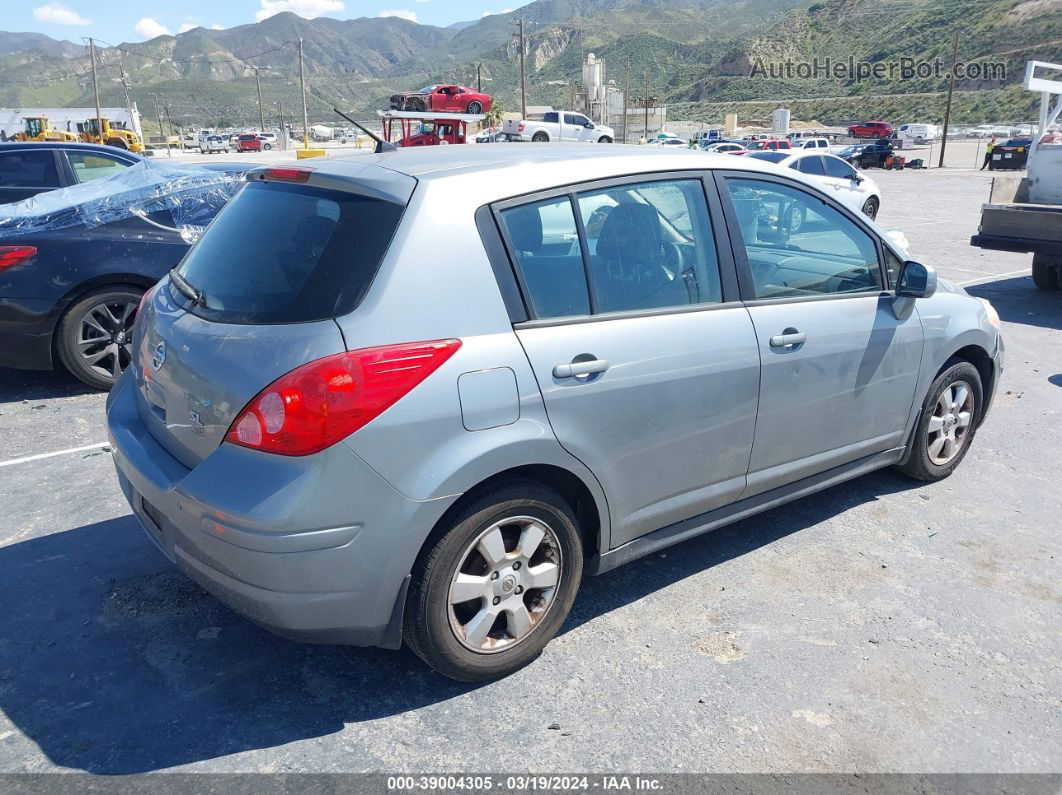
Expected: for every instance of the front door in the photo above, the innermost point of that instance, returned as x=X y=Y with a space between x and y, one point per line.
x=649 y=378
x=840 y=358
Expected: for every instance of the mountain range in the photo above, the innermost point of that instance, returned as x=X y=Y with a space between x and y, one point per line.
x=698 y=56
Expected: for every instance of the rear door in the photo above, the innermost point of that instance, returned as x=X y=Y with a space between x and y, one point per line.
x=647 y=363
x=840 y=362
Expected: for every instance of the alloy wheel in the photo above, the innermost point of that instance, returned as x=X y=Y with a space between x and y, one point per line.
x=505 y=584
x=950 y=423
x=105 y=337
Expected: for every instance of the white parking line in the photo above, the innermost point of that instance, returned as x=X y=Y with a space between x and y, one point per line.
x=39 y=456
x=992 y=276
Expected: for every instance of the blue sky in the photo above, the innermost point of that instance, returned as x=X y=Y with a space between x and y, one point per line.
x=114 y=21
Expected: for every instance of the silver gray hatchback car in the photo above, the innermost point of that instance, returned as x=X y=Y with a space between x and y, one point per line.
x=415 y=395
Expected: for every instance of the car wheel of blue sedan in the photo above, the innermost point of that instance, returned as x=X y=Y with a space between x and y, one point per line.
x=95 y=336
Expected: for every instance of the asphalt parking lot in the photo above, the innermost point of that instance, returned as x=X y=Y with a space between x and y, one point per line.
x=879 y=626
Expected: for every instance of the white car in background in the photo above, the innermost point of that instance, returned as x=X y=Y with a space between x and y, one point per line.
x=268 y=139
x=854 y=190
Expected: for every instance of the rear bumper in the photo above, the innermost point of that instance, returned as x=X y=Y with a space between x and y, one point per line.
x=1022 y=245
x=317 y=548
x=26 y=329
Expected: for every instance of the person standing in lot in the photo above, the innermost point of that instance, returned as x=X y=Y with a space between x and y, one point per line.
x=988 y=152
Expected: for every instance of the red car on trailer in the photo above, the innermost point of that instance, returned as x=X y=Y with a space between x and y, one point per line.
x=443 y=99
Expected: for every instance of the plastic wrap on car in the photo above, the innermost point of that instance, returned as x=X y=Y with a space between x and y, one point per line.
x=192 y=194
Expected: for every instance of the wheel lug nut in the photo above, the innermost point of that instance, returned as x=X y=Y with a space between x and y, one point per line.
x=497 y=599
x=494 y=575
x=516 y=566
x=519 y=589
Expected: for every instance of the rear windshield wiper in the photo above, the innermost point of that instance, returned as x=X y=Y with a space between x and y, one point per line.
x=184 y=288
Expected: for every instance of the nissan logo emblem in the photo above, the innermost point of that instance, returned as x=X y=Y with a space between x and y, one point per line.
x=159 y=357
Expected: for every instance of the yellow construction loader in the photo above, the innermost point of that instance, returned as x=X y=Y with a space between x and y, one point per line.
x=37 y=129
x=111 y=135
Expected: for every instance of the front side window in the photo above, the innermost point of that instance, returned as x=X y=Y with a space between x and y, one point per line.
x=835 y=167
x=650 y=246
x=545 y=243
x=797 y=245
x=90 y=165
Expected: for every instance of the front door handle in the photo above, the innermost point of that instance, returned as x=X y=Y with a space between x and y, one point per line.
x=789 y=339
x=580 y=368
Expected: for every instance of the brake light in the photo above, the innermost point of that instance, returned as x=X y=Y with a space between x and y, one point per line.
x=520 y=127
x=15 y=255
x=323 y=402
x=287 y=174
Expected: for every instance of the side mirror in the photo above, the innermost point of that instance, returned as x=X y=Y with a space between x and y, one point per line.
x=916 y=280
x=589 y=125
x=857 y=179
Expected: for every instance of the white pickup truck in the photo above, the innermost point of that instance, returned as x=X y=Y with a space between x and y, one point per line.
x=558 y=126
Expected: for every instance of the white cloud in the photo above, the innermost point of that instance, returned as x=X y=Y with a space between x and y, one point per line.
x=58 y=14
x=401 y=13
x=308 y=9
x=149 y=28
x=492 y=13
x=216 y=26
x=187 y=26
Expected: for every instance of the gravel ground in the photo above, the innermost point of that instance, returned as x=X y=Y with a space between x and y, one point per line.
x=881 y=625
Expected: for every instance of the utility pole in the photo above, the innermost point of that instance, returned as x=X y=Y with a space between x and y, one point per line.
x=305 y=117
x=125 y=86
x=283 y=137
x=647 y=107
x=947 y=109
x=479 y=78
x=261 y=109
x=626 y=91
x=96 y=91
x=158 y=115
x=523 y=78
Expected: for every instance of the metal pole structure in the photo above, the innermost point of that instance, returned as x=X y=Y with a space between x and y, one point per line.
x=626 y=91
x=479 y=78
x=305 y=117
x=158 y=115
x=647 y=107
x=125 y=87
x=283 y=138
x=261 y=108
x=523 y=77
x=947 y=109
x=96 y=91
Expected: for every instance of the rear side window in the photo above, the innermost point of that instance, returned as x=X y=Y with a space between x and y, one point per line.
x=811 y=165
x=289 y=254
x=545 y=242
x=28 y=170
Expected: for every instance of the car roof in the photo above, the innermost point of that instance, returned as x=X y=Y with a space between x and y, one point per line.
x=498 y=171
x=70 y=145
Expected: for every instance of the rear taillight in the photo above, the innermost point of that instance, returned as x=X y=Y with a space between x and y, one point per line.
x=15 y=255
x=325 y=401
x=520 y=127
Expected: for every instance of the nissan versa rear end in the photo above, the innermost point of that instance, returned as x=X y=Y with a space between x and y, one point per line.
x=413 y=396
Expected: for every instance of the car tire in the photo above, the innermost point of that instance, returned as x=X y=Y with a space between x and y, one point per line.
x=267 y=147
x=474 y=108
x=871 y=207
x=118 y=143
x=933 y=457
x=540 y=137
x=875 y=135
x=604 y=139
x=479 y=639
x=106 y=316
x=1047 y=272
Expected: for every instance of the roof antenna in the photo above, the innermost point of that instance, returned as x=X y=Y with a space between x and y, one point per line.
x=381 y=144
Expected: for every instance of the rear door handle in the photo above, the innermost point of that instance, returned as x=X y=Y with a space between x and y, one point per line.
x=789 y=338
x=576 y=369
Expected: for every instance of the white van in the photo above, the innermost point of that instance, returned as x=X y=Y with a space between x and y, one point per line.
x=919 y=133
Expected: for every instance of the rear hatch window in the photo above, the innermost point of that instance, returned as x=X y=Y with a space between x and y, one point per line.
x=289 y=254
